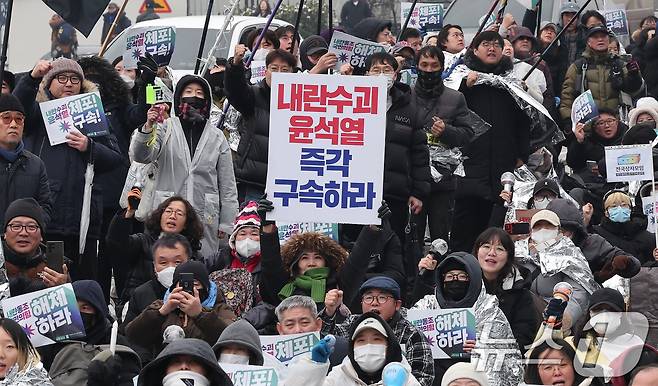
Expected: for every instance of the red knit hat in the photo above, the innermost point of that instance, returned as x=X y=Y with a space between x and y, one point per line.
x=248 y=217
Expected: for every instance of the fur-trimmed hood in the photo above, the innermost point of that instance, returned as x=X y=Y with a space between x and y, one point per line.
x=474 y=63
x=113 y=89
x=332 y=252
x=43 y=95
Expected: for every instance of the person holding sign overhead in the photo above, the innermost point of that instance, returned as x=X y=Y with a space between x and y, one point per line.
x=66 y=164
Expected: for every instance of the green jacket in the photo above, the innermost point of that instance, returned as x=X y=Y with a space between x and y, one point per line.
x=605 y=75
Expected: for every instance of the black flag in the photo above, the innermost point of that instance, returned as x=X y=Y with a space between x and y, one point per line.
x=81 y=14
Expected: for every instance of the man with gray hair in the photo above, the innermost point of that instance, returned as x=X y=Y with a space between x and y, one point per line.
x=298 y=314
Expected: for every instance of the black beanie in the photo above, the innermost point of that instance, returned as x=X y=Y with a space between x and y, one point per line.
x=27 y=207
x=9 y=102
x=194 y=267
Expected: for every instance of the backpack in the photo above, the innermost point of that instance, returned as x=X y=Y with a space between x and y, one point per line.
x=70 y=365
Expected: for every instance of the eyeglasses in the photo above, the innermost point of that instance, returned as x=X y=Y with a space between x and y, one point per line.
x=8 y=118
x=379 y=71
x=381 y=299
x=606 y=122
x=455 y=276
x=178 y=213
x=63 y=78
x=498 y=249
x=488 y=45
x=17 y=228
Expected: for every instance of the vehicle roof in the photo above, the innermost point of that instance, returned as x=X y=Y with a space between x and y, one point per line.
x=216 y=21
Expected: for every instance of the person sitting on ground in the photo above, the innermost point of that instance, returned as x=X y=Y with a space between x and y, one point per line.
x=20 y=360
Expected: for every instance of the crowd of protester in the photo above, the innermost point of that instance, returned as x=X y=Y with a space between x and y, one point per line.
x=201 y=211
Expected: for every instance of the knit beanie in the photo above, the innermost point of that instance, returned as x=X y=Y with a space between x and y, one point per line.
x=197 y=268
x=464 y=370
x=248 y=217
x=61 y=65
x=27 y=207
x=8 y=102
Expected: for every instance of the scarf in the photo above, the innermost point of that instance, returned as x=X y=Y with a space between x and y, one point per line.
x=12 y=155
x=209 y=303
x=250 y=264
x=314 y=279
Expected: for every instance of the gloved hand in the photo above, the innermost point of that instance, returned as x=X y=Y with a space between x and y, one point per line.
x=264 y=206
x=554 y=311
x=104 y=371
x=620 y=262
x=148 y=67
x=633 y=66
x=384 y=212
x=321 y=351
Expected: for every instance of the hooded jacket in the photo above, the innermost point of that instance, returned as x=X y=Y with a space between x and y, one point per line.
x=496 y=151
x=204 y=177
x=243 y=334
x=66 y=166
x=370 y=27
x=310 y=373
x=487 y=313
x=153 y=373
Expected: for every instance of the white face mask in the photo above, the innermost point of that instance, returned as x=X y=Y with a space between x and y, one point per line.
x=166 y=277
x=261 y=54
x=130 y=82
x=185 y=378
x=370 y=357
x=605 y=322
x=233 y=359
x=247 y=247
x=543 y=203
x=544 y=235
x=390 y=79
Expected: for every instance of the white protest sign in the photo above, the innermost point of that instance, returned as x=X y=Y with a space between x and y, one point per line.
x=47 y=316
x=629 y=163
x=258 y=68
x=158 y=41
x=454 y=81
x=446 y=330
x=426 y=16
x=326 y=148
x=287 y=347
x=83 y=112
x=286 y=231
x=246 y=375
x=352 y=50
x=648 y=208
x=584 y=108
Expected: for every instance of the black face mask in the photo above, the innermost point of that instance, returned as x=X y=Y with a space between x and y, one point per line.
x=428 y=80
x=455 y=290
x=216 y=80
x=88 y=321
x=195 y=102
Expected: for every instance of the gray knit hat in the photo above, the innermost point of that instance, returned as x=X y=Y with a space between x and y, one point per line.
x=61 y=65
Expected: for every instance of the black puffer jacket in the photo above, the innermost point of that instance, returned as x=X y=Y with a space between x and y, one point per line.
x=253 y=102
x=592 y=148
x=498 y=150
x=369 y=28
x=651 y=60
x=631 y=237
x=26 y=177
x=406 y=157
x=450 y=106
x=65 y=165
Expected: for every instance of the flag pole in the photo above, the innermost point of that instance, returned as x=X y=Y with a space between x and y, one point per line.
x=295 y=32
x=331 y=17
x=227 y=20
x=406 y=21
x=539 y=7
x=319 y=16
x=5 y=41
x=484 y=22
x=557 y=38
x=204 y=34
x=262 y=33
x=107 y=40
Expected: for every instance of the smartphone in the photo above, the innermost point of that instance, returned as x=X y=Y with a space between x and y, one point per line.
x=55 y=255
x=517 y=228
x=187 y=282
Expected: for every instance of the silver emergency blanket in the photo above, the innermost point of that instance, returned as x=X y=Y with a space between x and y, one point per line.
x=231 y=125
x=31 y=375
x=560 y=257
x=495 y=340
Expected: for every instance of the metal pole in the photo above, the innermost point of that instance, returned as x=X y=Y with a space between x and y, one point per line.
x=539 y=7
x=319 y=16
x=227 y=21
x=107 y=40
x=484 y=22
x=445 y=14
x=262 y=33
x=331 y=17
x=557 y=38
x=295 y=33
x=5 y=41
x=406 y=21
x=199 y=56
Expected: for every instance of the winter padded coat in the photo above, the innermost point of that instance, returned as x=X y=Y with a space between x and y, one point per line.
x=205 y=179
x=25 y=177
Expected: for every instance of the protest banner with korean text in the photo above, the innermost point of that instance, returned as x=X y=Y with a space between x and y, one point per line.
x=584 y=108
x=83 y=112
x=426 y=16
x=629 y=163
x=352 y=50
x=158 y=41
x=326 y=148
x=616 y=21
x=47 y=316
x=446 y=330
x=286 y=231
x=247 y=375
x=287 y=347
